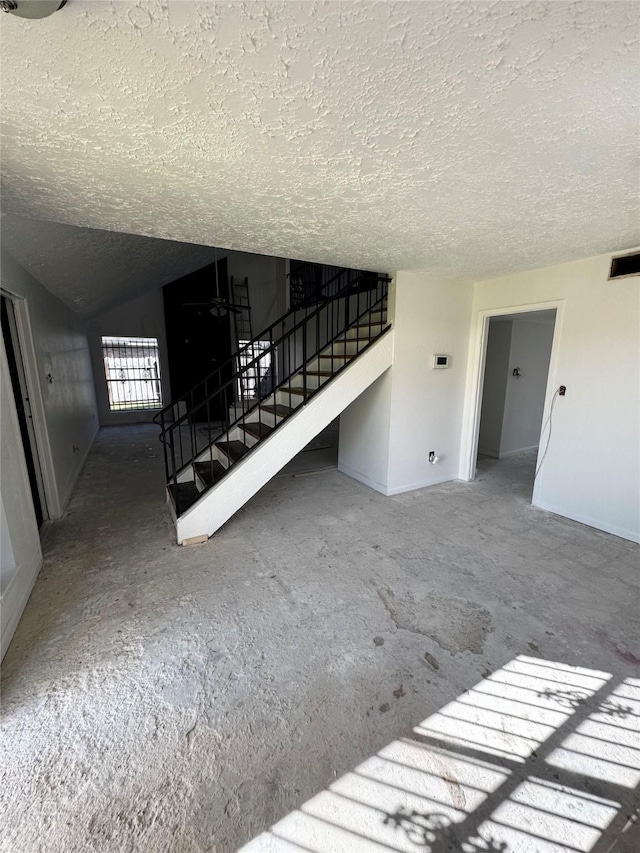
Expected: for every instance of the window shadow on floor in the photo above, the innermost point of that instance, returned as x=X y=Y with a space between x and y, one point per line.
x=539 y=757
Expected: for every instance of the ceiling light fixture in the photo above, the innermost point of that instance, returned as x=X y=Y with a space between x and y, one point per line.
x=31 y=8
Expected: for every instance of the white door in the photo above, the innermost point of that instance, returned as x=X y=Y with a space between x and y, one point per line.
x=21 y=552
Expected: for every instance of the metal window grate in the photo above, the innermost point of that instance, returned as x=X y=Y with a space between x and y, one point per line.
x=132 y=371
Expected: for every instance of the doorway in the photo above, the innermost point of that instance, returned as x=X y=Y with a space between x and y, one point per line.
x=21 y=396
x=512 y=431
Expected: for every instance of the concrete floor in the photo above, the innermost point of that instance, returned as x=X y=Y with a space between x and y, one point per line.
x=159 y=698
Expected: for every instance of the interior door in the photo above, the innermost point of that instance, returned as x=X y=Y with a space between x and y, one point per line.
x=20 y=393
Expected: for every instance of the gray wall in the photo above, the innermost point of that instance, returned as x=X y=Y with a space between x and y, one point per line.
x=142 y=317
x=61 y=351
x=524 y=401
x=512 y=407
x=495 y=387
x=65 y=418
x=267 y=285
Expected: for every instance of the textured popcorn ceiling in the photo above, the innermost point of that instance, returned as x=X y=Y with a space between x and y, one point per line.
x=472 y=139
x=92 y=270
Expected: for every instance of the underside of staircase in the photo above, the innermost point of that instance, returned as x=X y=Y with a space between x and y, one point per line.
x=228 y=462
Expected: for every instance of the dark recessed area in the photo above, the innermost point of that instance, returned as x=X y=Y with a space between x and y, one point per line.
x=626 y=265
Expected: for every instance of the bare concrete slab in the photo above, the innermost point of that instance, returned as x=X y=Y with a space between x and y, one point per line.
x=158 y=698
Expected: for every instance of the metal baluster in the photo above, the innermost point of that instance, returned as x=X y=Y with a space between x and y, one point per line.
x=173 y=462
x=304 y=361
x=180 y=438
x=164 y=446
x=209 y=438
x=192 y=431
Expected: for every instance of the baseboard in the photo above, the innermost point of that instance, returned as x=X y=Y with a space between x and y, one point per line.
x=517 y=452
x=64 y=499
x=396 y=490
x=14 y=600
x=362 y=478
x=492 y=453
x=631 y=535
x=422 y=484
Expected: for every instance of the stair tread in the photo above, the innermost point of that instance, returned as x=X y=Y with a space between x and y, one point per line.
x=234 y=449
x=209 y=471
x=278 y=410
x=183 y=495
x=319 y=373
x=256 y=429
x=299 y=391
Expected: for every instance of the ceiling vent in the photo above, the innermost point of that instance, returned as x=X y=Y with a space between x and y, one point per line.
x=625 y=266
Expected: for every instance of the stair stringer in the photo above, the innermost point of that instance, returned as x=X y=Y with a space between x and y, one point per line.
x=217 y=505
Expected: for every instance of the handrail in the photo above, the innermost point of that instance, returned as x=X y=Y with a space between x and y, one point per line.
x=229 y=383
x=208 y=417
x=266 y=333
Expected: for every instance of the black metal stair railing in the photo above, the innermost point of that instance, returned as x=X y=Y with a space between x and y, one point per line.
x=191 y=425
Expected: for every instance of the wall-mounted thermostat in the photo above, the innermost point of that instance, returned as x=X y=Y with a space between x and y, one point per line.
x=440 y=362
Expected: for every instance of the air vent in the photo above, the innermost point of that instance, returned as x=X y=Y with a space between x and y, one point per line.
x=625 y=265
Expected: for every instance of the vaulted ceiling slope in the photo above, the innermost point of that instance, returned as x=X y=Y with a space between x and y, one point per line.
x=92 y=271
x=472 y=139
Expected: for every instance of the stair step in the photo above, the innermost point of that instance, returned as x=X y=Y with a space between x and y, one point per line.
x=209 y=472
x=257 y=430
x=235 y=450
x=300 y=391
x=278 y=410
x=319 y=373
x=184 y=495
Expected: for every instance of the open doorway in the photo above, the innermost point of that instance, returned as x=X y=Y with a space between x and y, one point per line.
x=21 y=396
x=511 y=433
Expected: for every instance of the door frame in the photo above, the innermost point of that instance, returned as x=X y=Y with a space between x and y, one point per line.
x=43 y=457
x=475 y=386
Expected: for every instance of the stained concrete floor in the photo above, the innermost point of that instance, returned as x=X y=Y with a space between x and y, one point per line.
x=158 y=698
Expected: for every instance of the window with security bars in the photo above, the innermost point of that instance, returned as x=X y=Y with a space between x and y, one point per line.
x=254 y=381
x=132 y=370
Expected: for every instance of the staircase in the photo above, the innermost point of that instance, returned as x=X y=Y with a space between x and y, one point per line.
x=320 y=358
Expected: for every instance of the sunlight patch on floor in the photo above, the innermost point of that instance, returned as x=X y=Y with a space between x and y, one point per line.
x=537 y=758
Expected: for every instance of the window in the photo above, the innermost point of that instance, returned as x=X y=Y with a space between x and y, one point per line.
x=257 y=380
x=132 y=370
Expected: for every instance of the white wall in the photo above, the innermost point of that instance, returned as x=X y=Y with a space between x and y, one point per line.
x=142 y=317
x=66 y=416
x=363 y=445
x=524 y=400
x=591 y=472
x=414 y=409
x=495 y=387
